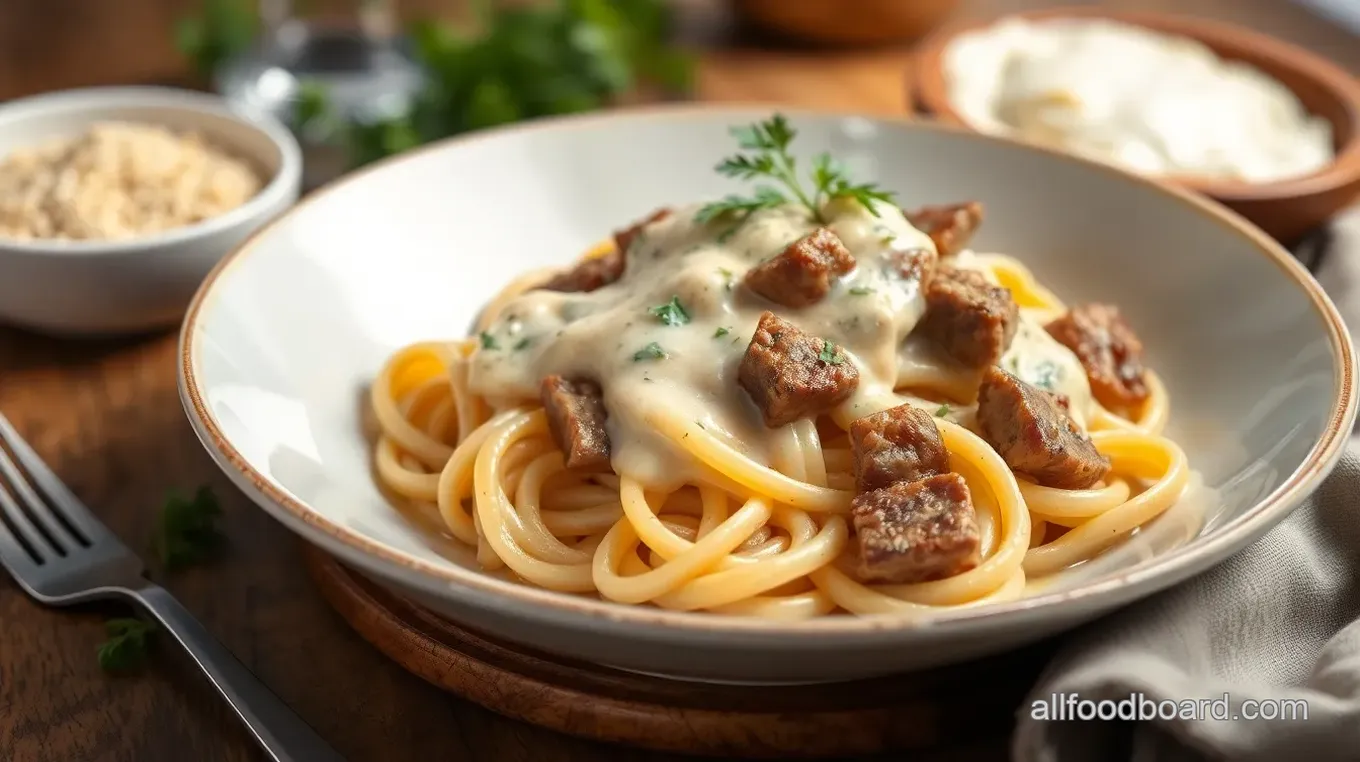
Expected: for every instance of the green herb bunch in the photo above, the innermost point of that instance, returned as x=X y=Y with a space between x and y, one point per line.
x=223 y=28
x=519 y=62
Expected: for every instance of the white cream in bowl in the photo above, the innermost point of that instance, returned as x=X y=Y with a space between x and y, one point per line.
x=1148 y=102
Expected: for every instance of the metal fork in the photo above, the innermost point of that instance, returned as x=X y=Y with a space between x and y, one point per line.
x=61 y=554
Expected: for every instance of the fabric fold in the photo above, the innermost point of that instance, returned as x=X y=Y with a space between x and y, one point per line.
x=1273 y=631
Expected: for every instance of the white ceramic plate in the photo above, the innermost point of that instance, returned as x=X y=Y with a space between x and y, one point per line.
x=284 y=337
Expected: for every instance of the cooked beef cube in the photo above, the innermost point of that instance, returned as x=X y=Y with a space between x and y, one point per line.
x=973 y=320
x=576 y=418
x=1034 y=436
x=1063 y=401
x=791 y=375
x=1108 y=349
x=588 y=274
x=917 y=531
x=623 y=239
x=801 y=275
x=913 y=264
x=902 y=444
x=949 y=226
x=597 y=272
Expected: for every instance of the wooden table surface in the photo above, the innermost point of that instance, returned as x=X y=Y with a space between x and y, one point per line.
x=106 y=416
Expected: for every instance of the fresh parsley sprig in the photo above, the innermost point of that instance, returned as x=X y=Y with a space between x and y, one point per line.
x=766 y=155
x=738 y=207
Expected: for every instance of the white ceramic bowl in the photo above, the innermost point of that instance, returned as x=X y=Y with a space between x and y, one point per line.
x=95 y=287
x=281 y=342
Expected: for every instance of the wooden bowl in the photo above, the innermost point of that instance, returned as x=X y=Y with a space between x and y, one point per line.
x=1285 y=209
x=846 y=22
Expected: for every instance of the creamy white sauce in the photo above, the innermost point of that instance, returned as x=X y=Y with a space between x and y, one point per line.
x=1146 y=101
x=868 y=314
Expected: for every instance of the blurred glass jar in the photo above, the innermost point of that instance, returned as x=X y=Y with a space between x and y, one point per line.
x=846 y=22
x=356 y=59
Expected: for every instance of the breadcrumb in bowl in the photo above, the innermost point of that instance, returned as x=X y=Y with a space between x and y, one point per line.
x=116 y=202
x=119 y=180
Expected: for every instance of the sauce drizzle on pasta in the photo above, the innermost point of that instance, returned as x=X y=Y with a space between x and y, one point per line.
x=705 y=507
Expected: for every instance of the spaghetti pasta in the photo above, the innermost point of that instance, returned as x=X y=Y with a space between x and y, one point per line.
x=747 y=537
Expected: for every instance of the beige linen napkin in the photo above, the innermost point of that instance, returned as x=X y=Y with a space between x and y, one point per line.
x=1278 y=621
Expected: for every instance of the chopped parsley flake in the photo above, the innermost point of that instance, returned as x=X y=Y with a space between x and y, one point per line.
x=125 y=650
x=861 y=290
x=523 y=343
x=942 y=412
x=187 y=532
x=721 y=332
x=489 y=341
x=671 y=313
x=652 y=351
x=830 y=355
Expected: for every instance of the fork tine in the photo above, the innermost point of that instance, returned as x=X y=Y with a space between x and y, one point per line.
x=42 y=547
x=66 y=503
x=37 y=510
x=12 y=554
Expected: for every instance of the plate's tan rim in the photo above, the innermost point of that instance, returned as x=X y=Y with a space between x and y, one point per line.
x=1320 y=459
x=927 y=83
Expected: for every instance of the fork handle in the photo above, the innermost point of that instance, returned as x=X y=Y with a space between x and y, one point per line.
x=279 y=731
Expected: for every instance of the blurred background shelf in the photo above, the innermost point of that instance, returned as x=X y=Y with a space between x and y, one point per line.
x=45 y=44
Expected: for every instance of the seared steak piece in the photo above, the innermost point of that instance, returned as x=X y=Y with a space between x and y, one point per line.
x=972 y=319
x=917 y=531
x=914 y=264
x=1026 y=426
x=896 y=445
x=597 y=272
x=801 y=275
x=576 y=417
x=623 y=239
x=949 y=226
x=1108 y=349
x=790 y=374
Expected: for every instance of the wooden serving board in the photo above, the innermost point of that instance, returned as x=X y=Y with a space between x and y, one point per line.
x=943 y=707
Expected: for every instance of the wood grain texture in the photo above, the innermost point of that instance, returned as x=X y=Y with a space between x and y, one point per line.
x=106 y=417
x=923 y=711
